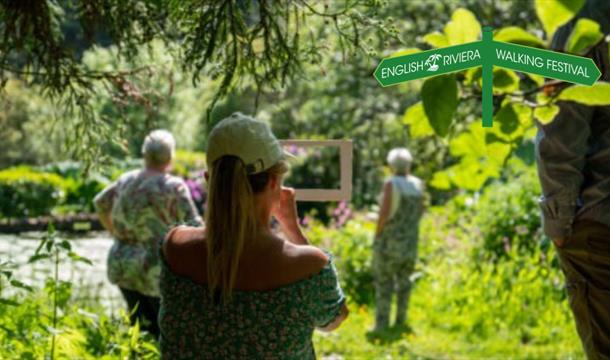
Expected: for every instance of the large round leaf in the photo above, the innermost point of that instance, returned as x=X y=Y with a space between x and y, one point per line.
x=586 y=33
x=554 y=13
x=596 y=95
x=416 y=118
x=440 y=98
x=463 y=27
x=517 y=35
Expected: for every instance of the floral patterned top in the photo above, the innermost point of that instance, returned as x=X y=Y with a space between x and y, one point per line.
x=273 y=324
x=143 y=205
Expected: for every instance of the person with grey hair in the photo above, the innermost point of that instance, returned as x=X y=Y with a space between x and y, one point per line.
x=138 y=209
x=396 y=238
x=158 y=148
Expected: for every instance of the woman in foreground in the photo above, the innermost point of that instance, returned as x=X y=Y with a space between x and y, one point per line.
x=234 y=289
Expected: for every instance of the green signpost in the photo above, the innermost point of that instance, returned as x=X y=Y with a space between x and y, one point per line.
x=487 y=54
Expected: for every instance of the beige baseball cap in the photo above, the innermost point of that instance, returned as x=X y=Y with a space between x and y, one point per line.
x=250 y=140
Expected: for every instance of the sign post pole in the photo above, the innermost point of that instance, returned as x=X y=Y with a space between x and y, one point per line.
x=487 y=70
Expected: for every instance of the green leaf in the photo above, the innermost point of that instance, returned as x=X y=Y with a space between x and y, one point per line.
x=419 y=125
x=596 y=95
x=440 y=99
x=506 y=120
x=514 y=119
x=441 y=180
x=473 y=74
x=38 y=257
x=463 y=27
x=75 y=257
x=546 y=114
x=554 y=13
x=8 y=302
x=65 y=244
x=436 y=39
x=468 y=174
x=479 y=160
x=505 y=81
x=40 y=245
x=469 y=143
x=586 y=33
x=517 y=35
x=19 y=284
x=538 y=79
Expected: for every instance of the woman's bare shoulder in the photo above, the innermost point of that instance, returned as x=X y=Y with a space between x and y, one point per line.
x=184 y=248
x=304 y=261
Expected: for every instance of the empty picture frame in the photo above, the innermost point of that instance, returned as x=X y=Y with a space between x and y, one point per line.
x=345 y=154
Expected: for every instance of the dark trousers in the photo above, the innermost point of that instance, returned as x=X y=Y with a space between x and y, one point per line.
x=585 y=261
x=146 y=310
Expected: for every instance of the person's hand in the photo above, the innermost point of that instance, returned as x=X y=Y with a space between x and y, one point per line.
x=559 y=242
x=286 y=211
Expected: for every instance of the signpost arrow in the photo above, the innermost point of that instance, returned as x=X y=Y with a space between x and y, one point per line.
x=395 y=70
x=551 y=64
x=487 y=53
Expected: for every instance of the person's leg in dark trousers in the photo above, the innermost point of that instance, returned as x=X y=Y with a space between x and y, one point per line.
x=147 y=310
x=585 y=261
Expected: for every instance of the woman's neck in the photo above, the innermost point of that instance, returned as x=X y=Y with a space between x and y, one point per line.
x=263 y=215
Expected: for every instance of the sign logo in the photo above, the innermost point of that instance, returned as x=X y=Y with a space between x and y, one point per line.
x=487 y=53
x=431 y=62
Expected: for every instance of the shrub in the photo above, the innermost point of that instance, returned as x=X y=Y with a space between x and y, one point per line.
x=519 y=296
x=351 y=246
x=187 y=164
x=508 y=215
x=80 y=189
x=27 y=192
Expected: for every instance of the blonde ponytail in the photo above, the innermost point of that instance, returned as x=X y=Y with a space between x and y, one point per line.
x=231 y=219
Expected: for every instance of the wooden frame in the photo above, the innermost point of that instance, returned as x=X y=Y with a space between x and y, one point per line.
x=345 y=154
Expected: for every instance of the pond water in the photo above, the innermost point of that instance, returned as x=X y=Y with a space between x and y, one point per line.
x=89 y=282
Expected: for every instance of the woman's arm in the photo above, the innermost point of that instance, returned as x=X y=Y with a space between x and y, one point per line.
x=103 y=205
x=343 y=313
x=384 y=211
x=106 y=221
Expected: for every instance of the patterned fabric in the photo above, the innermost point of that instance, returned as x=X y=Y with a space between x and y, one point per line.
x=143 y=205
x=404 y=185
x=394 y=256
x=274 y=324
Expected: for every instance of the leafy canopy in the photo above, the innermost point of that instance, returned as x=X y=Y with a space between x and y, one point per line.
x=519 y=99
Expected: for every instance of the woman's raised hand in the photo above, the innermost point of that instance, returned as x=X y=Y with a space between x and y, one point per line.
x=286 y=211
x=286 y=214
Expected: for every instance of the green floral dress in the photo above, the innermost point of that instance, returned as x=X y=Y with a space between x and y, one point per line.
x=274 y=324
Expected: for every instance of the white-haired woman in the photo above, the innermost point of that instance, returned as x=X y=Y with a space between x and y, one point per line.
x=138 y=209
x=395 y=245
x=234 y=289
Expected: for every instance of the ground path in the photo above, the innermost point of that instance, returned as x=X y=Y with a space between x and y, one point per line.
x=90 y=282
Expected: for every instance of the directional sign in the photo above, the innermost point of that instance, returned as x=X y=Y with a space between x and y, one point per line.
x=487 y=54
x=551 y=64
x=428 y=63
